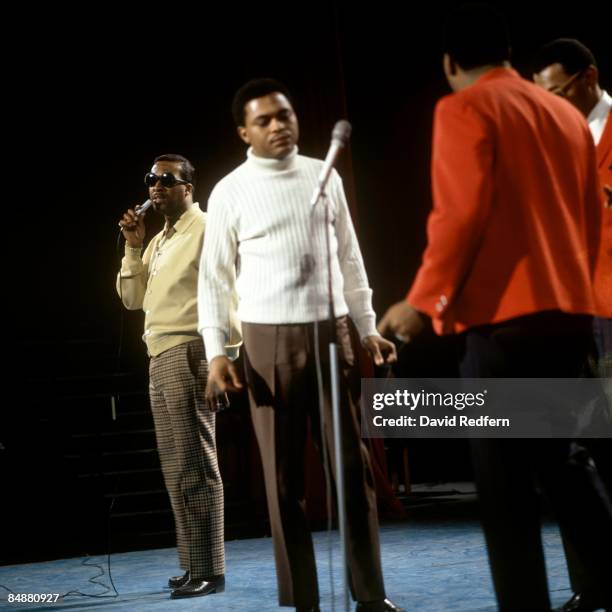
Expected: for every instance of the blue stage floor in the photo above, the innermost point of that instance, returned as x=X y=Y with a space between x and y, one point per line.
x=428 y=566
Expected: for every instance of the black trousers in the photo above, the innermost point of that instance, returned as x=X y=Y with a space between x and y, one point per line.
x=599 y=448
x=509 y=473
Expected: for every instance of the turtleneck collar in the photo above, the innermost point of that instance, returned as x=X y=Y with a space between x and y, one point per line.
x=271 y=164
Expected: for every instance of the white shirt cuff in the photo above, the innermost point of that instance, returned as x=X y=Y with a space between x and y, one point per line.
x=366 y=326
x=214 y=342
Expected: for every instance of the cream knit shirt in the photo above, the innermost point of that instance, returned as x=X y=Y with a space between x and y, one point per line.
x=264 y=238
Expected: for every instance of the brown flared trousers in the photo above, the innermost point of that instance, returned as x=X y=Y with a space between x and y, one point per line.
x=281 y=375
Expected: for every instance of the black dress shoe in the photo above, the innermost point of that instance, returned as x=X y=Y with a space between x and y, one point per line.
x=178 y=581
x=195 y=587
x=384 y=605
x=311 y=609
x=583 y=602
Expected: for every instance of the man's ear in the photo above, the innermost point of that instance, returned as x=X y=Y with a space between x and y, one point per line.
x=591 y=75
x=242 y=132
x=450 y=67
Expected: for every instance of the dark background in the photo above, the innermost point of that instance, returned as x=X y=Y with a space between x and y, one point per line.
x=94 y=96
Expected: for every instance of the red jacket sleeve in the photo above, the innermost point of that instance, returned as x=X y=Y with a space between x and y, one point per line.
x=462 y=185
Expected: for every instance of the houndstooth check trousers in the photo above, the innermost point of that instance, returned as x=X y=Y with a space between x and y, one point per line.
x=185 y=430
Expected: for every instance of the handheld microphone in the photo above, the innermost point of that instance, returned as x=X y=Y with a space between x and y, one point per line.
x=140 y=209
x=340 y=137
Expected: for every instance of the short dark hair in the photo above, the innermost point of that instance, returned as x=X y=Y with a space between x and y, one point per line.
x=187 y=169
x=476 y=35
x=569 y=52
x=255 y=88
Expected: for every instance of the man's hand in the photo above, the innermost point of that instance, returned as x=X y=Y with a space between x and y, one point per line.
x=403 y=321
x=222 y=377
x=380 y=350
x=133 y=228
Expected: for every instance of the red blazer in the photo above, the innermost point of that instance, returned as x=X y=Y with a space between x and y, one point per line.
x=515 y=225
x=603 y=270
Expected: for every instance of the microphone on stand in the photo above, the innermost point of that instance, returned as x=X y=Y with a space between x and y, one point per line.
x=340 y=137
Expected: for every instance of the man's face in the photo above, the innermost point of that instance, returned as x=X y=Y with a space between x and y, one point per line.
x=270 y=126
x=572 y=87
x=169 y=201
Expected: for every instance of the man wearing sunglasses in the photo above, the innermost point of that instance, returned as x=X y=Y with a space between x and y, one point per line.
x=568 y=69
x=163 y=282
x=261 y=219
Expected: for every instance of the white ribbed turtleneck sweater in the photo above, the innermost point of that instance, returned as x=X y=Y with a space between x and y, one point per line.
x=261 y=221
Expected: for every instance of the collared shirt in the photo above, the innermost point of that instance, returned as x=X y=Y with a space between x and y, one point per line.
x=163 y=282
x=599 y=116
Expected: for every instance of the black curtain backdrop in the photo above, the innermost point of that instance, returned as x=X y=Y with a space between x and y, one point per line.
x=94 y=100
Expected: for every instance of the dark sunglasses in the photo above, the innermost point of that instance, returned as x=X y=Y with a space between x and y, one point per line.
x=562 y=90
x=167 y=179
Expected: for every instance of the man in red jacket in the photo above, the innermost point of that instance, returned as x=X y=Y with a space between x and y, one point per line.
x=512 y=245
x=568 y=69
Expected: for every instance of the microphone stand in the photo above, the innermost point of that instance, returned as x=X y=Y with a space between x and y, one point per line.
x=335 y=397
